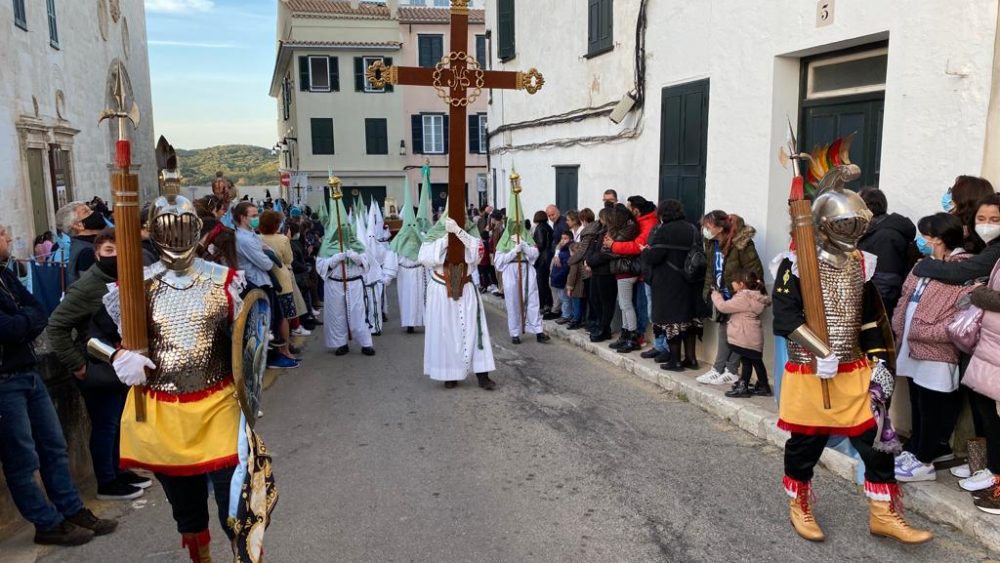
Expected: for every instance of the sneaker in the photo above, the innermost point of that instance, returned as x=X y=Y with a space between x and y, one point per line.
x=65 y=534
x=961 y=471
x=989 y=501
x=300 y=332
x=86 y=519
x=282 y=362
x=915 y=471
x=118 y=490
x=979 y=480
x=134 y=479
x=315 y=313
x=904 y=459
x=727 y=378
x=709 y=377
x=944 y=458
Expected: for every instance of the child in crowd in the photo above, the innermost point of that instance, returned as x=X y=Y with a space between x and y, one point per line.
x=745 y=334
x=575 y=283
x=558 y=276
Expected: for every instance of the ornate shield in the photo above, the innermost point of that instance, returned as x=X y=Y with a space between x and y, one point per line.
x=250 y=352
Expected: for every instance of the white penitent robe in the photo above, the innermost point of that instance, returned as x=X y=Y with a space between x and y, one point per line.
x=411 y=287
x=507 y=263
x=341 y=312
x=457 y=339
x=374 y=288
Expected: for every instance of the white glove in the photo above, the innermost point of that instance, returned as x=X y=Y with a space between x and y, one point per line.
x=451 y=226
x=352 y=256
x=131 y=367
x=519 y=247
x=826 y=368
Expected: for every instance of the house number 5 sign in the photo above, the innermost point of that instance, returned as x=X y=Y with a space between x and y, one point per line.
x=824 y=13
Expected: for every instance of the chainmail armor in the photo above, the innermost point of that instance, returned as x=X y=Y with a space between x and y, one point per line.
x=190 y=342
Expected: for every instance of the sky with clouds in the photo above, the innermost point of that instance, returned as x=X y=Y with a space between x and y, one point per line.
x=210 y=65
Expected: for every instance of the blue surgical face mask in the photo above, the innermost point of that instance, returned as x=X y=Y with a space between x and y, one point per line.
x=923 y=246
x=947 y=203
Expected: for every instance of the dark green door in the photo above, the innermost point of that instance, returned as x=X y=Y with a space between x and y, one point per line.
x=822 y=124
x=370 y=193
x=439 y=195
x=684 y=146
x=567 y=180
x=36 y=181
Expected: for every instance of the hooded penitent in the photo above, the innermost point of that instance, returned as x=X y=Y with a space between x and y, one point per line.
x=424 y=222
x=331 y=243
x=515 y=230
x=408 y=240
x=438 y=230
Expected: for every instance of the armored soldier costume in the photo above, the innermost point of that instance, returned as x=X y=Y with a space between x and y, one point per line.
x=854 y=347
x=194 y=429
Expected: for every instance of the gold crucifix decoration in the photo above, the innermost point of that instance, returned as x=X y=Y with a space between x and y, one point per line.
x=459 y=81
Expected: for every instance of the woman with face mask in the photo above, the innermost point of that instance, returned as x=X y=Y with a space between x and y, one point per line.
x=926 y=355
x=730 y=249
x=962 y=200
x=984 y=233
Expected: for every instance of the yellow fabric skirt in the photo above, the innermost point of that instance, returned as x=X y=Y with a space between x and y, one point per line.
x=801 y=407
x=185 y=435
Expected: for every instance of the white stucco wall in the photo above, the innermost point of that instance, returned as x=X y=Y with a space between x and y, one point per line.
x=936 y=101
x=31 y=69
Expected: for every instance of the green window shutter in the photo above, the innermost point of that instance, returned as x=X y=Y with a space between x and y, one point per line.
x=304 y=74
x=359 y=74
x=388 y=63
x=445 y=133
x=417 y=125
x=474 y=147
x=376 y=138
x=322 y=135
x=505 y=29
x=481 y=50
x=600 y=20
x=334 y=64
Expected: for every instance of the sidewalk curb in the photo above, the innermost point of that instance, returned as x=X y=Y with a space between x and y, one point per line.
x=940 y=501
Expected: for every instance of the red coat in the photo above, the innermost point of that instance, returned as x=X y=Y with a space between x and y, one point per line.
x=632 y=247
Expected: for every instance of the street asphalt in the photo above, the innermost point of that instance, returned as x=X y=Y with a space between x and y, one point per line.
x=569 y=460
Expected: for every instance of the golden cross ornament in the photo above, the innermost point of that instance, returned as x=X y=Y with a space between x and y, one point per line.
x=459 y=81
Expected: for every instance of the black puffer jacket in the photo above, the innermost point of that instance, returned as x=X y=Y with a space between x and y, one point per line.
x=889 y=237
x=22 y=319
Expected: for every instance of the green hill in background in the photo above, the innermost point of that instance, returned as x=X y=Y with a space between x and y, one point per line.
x=246 y=165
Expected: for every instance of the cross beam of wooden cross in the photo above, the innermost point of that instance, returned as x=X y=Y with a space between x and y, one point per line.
x=459 y=81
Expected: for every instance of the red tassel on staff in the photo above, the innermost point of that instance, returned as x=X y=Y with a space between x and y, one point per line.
x=123 y=154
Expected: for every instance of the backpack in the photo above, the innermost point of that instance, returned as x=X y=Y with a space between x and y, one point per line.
x=695 y=263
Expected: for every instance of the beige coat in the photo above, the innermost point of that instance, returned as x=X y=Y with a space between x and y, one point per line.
x=282 y=247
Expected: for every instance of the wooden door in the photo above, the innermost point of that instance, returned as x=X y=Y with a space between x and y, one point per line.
x=36 y=183
x=684 y=145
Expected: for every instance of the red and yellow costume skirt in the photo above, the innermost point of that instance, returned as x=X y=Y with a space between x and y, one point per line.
x=801 y=407
x=183 y=434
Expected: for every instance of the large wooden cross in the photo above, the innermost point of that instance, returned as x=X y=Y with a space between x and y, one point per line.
x=459 y=81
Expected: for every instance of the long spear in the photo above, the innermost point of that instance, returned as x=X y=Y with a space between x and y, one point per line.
x=337 y=195
x=804 y=235
x=515 y=187
x=125 y=188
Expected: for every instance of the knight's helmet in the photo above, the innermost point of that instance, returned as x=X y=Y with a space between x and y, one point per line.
x=840 y=215
x=175 y=229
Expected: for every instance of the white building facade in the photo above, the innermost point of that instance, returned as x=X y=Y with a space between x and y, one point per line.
x=719 y=82
x=330 y=116
x=58 y=61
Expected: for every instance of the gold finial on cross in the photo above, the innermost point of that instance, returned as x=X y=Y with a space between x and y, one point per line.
x=460 y=6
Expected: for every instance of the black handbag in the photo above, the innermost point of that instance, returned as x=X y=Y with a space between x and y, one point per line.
x=626 y=265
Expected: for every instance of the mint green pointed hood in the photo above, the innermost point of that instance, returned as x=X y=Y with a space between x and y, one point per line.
x=331 y=242
x=407 y=241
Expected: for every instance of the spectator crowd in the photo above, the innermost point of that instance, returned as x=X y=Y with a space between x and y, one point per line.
x=642 y=276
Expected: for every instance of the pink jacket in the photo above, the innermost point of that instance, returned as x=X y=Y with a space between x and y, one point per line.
x=929 y=338
x=744 y=311
x=985 y=362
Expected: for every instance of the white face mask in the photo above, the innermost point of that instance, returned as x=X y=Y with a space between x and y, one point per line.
x=988 y=232
x=705 y=232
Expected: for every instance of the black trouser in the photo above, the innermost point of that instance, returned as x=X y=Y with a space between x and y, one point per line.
x=933 y=415
x=593 y=311
x=487 y=276
x=188 y=498
x=750 y=361
x=605 y=290
x=986 y=409
x=544 y=291
x=802 y=451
